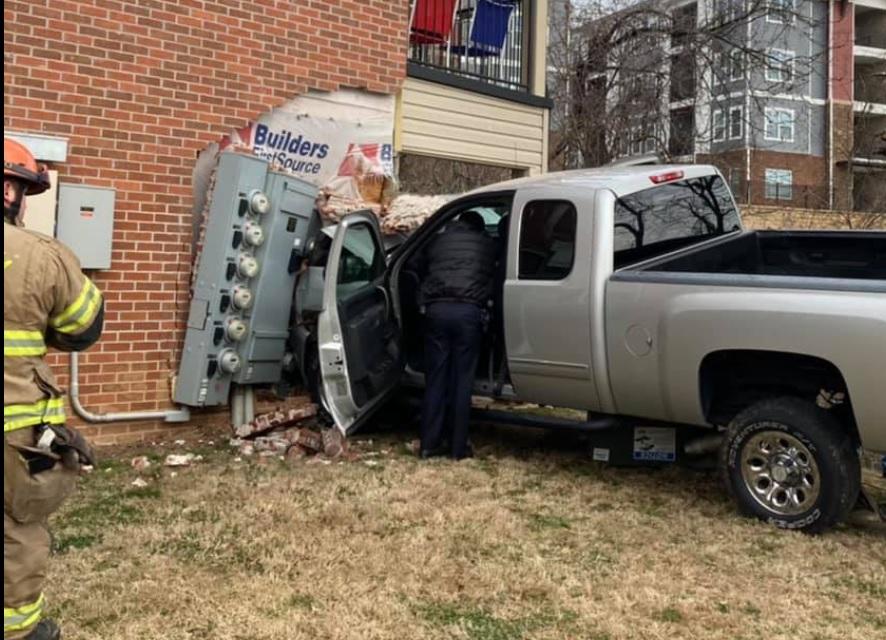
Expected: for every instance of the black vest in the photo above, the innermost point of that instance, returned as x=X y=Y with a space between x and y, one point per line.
x=461 y=267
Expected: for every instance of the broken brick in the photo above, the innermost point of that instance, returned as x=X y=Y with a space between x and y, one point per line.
x=334 y=443
x=274 y=444
x=275 y=420
x=310 y=440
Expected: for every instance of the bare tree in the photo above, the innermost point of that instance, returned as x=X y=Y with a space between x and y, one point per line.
x=633 y=77
x=868 y=155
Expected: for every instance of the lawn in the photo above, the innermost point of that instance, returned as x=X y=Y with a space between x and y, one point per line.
x=530 y=540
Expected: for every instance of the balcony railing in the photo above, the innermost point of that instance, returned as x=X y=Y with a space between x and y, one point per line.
x=484 y=40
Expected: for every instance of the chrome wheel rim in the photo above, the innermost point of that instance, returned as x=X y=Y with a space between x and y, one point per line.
x=780 y=473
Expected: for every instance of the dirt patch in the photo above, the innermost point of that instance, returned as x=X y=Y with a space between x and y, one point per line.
x=529 y=540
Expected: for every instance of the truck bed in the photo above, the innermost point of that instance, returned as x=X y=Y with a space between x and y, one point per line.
x=806 y=259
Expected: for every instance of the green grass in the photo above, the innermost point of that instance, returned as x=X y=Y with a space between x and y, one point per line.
x=64 y=543
x=477 y=623
x=541 y=521
x=670 y=614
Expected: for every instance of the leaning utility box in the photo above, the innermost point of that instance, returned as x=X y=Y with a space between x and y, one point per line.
x=257 y=228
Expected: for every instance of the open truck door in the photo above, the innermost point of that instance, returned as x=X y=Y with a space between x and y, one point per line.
x=358 y=336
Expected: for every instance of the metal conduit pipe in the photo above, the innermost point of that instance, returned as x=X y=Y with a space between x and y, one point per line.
x=249 y=405
x=238 y=407
x=182 y=414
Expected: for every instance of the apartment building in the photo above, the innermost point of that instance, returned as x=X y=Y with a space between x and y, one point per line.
x=787 y=97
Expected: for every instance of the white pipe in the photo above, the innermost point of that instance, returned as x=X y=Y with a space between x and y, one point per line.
x=830 y=23
x=237 y=408
x=249 y=405
x=182 y=414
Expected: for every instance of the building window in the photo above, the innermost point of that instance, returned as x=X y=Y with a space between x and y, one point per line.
x=727 y=124
x=779 y=184
x=726 y=11
x=729 y=67
x=636 y=141
x=547 y=240
x=721 y=68
x=643 y=139
x=779 y=125
x=681 y=135
x=719 y=126
x=779 y=65
x=736 y=64
x=735 y=123
x=780 y=11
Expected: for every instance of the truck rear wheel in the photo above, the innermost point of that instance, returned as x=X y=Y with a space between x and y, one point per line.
x=789 y=463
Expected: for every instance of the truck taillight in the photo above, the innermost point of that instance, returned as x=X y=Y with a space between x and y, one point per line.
x=666 y=177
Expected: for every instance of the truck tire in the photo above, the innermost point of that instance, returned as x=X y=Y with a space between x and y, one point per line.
x=789 y=463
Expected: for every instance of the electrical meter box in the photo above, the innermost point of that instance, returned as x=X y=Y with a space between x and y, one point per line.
x=258 y=225
x=85 y=223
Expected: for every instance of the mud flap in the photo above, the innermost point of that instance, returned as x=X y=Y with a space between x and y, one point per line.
x=867 y=501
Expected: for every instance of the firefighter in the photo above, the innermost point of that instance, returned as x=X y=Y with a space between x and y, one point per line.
x=47 y=302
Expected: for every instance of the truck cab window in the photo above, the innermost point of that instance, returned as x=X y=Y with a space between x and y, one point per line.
x=362 y=261
x=547 y=240
x=661 y=219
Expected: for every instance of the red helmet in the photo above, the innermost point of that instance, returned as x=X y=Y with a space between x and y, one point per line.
x=19 y=163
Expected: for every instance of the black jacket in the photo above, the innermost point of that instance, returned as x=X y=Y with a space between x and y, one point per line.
x=460 y=267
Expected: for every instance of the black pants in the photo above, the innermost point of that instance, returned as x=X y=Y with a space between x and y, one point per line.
x=453 y=337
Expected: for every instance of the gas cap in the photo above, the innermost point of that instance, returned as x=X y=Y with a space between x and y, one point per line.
x=259 y=204
x=253 y=234
x=235 y=329
x=229 y=361
x=247 y=266
x=242 y=298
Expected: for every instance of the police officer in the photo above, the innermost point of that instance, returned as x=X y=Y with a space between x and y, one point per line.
x=47 y=302
x=455 y=292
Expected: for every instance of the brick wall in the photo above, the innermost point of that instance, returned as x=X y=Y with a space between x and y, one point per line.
x=139 y=88
x=810 y=176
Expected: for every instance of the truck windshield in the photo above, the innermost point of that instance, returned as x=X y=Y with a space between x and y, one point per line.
x=661 y=219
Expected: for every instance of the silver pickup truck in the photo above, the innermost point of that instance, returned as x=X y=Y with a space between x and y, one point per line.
x=635 y=294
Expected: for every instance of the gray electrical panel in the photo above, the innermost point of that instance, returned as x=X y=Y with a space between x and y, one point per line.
x=259 y=223
x=286 y=232
x=85 y=223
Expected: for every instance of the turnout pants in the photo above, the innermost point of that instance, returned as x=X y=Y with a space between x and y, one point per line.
x=28 y=500
x=453 y=337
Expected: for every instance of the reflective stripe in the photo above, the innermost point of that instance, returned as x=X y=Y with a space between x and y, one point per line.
x=23 y=343
x=23 y=617
x=19 y=416
x=82 y=311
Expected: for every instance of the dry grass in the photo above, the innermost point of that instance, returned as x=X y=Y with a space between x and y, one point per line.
x=530 y=541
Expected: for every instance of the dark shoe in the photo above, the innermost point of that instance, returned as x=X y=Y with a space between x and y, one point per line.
x=425 y=454
x=46 y=629
x=468 y=453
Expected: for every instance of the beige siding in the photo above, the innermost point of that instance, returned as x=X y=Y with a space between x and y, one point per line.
x=442 y=121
